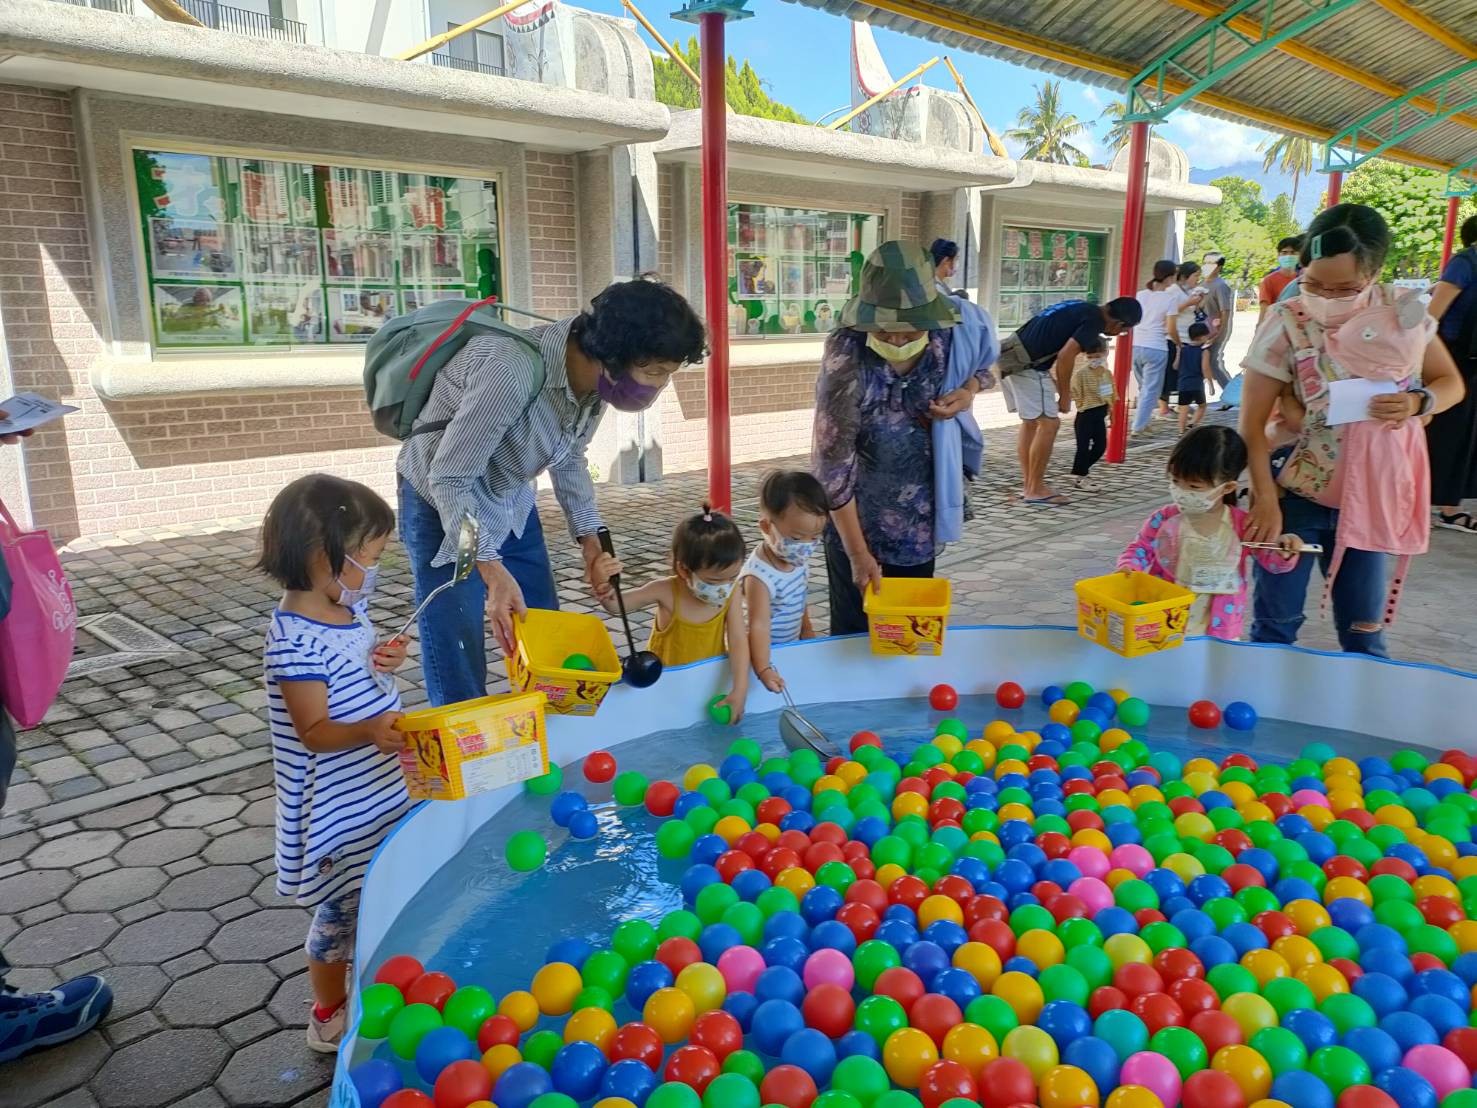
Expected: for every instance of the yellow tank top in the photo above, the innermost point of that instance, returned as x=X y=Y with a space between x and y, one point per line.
x=681 y=642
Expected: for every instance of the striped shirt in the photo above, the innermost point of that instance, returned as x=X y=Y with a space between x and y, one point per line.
x=786 y=596
x=333 y=810
x=497 y=442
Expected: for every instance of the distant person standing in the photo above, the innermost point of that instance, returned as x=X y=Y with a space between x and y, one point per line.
x=1274 y=284
x=945 y=264
x=1220 y=308
x=1159 y=299
x=1451 y=436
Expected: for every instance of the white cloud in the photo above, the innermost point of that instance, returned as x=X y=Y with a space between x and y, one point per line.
x=1212 y=143
x=1092 y=96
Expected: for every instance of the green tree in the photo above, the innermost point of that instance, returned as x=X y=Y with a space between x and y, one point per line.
x=742 y=86
x=1292 y=154
x=1238 y=228
x=1046 y=131
x=1117 y=135
x=1413 y=202
x=1281 y=221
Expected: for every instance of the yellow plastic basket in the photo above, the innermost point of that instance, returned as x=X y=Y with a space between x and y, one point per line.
x=1133 y=613
x=544 y=641
x=909 y=615
x=473 y=746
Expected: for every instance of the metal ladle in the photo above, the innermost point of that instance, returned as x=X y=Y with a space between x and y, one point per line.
x=466 y=559
x=641 y=667
x=797 y=731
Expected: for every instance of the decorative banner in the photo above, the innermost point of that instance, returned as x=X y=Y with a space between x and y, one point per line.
x=538 y=44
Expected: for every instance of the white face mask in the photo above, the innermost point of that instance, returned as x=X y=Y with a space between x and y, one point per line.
x=350 y=598
x=897 y=354
x=1196 y=502
x=712 y=593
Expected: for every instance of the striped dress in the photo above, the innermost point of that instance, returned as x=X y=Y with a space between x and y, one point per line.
x=786 y=596
x=333 y=810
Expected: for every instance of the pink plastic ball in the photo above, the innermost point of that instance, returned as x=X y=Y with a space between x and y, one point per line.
x=1443 y=1069
x=1155 y=1073
x=828 y=967
x=1304 y=797
x=740 y=967
x=1090 y=860
x=1094 y=894
x=1132 y=857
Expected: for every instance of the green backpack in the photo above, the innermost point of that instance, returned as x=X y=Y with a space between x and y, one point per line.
x=404 y=356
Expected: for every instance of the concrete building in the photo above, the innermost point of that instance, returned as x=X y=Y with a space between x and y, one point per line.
x=199 y=228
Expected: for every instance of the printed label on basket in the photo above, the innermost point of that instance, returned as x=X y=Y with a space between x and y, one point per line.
x=1148 y=630
x=493 y=771
x=1117 y=631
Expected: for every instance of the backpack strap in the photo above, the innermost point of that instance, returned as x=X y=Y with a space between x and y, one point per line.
x=517 y=334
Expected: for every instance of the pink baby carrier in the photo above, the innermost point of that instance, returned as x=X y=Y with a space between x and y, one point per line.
x=1382 y=483
x=37 y=635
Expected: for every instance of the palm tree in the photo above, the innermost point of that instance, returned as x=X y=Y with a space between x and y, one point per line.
x=1292 y=154
x=1118 y=131
x=1046 y=131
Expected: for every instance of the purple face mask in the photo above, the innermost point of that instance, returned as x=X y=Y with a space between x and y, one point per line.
x=625 y=393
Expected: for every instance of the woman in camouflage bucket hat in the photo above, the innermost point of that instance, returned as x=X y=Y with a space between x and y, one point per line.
x=881 y=389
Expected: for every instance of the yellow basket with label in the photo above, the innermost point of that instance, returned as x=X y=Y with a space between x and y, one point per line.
x=473 y=746
x=909 y=615
x=1133 y=613
x=546 y=642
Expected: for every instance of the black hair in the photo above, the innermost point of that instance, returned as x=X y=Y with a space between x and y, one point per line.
x=1199 y=330
x=319 y=512
x=1186 y=270
x=785 y=487
x=1164 y=269
x=639 y=321
x=1094 y=346
x=1211 y=455
x=1355 y=229
x=707 y=540
x=943 y=248
x=1126 y=310
x=1291 y=242
x=1469 y=231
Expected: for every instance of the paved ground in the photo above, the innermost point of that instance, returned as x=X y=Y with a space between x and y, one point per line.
x=138 y=839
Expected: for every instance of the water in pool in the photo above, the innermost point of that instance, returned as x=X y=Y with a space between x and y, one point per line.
x=486 y=925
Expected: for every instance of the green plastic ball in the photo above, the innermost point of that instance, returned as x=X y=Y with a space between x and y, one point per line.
x=873 y=958
x=775 y=899
x=546 y=784
x=467 y=1009
x=578 y=661
x=993 y=1014
x=862 y=1077
x=1348 y=1011
x=954 y=727
x=1282 y=1049
x=634 y=940
x=672 y=1094
x=731 y=1090
x=553 y=1100
x=674 y=839
x=1338 y=1067
x=747 y=749
x=605 y=969
x=591 y=996
x=1133 y=712
x=879 y=1017
x=745 y=1063
x=378 y=1004
x=526 y=850
x=630 y=789
x=409 y=1026
x=1078 y=692
x=540 y=1047
x=1182 y=1047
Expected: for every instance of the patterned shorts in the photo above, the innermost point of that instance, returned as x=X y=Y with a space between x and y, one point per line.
x=331 y=936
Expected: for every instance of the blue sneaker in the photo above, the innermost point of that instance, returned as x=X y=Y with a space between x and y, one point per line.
x=29 y=1021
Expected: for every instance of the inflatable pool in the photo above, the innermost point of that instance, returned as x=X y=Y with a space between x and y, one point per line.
x=440 y=890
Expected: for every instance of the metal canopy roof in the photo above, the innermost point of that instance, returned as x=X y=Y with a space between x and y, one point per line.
x=1348 y=66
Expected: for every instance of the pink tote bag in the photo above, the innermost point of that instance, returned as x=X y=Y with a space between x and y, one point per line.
x=37 y=636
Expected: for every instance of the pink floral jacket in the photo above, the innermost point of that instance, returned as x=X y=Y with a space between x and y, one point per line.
x=1156 y=550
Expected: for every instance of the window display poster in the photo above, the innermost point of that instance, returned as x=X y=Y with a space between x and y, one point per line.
x=198 y=315
x=1012 y=243
x=1073 y=270
x=1058 y=246
x=366 y=255
x=283 y=314
x=1082 y=246
x=192 y=248
x=1035 y=240
x=355 y=314
x=279 y=253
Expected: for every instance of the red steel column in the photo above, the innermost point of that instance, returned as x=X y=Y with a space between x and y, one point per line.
x=715 y=255
x=1335 y=187
x=1448 y=241
x=1128 y=279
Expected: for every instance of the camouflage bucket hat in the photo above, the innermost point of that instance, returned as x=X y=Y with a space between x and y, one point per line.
x=898 y=293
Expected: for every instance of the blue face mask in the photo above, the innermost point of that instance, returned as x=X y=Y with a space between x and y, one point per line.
x=352 y=598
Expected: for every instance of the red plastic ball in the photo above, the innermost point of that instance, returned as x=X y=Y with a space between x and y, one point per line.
x=860 y=919
x=821 y=853
x=902 y=984
x=1351 y=969
x=1243 y=761
x=1009 y=695
x=692 y=1065
x=984 y=907
x=1183 y=805
x=1365 y=1096
x=828 y=832
x=1084 y=821
x=1462 y=1041
x=731 y=863
x=1212 y=1089
x=1205 y=715
x=1419 y=963
x=954 y=887
x=496 y=1030
x=677 y=953
x=462 y=1083
x=430 y=988
x=795 y=840
x=1136 y=979
x=1081 y=785
x=1174 y=963
x=788 y=1086
x=1157 y=1010
x=865 y=738
x=996 y=934
x=1440 y=911
x=1234 y=840
x=935 y=1015
x=1397 y=866
x=1341 y=865
x=1273 y=924
x=638 y=1041
x=407 y=1098
x=935 y=777
x=1054 y=844
x=1066 y=906
x=772 y=809
x=1193 y=996
x=1005 y=1082
x=1145 y=916
x=945 y=1080
x=778 y=860
x=1280 y=804
x=945 y=810
x=854 y=852
x=1043 y=889
x=1241 y=876
x=1216 y=1029
x=834 y=762
x=1105 y=998
x=719 y=1031
x=1359 y=817
x=829 y=1009
x=599 y=766
x=864 y=869
x=661 y=797
x=399 y=971
x=943 y=698
x=908 y=890
x=912 y=785
x=755 y=845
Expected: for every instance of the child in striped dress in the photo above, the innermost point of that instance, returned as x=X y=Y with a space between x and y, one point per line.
x=332 y=705
x=792 y=517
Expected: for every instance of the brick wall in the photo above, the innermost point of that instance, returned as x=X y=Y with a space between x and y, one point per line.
x=771 y=409
x=910 y=222
x=668 y=178
x=552 y=233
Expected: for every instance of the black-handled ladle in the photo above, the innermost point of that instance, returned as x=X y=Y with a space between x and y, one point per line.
x=641 y=667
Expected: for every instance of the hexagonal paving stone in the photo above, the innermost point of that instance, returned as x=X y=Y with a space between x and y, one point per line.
x=261 y=935
x=161 y=1068
x=160 y=847
x=291 y=1001
x=209 y=887
x=261 y=813
x=43 y=1077
x=74 y=849
x=202 y=811
x=251 y=845
x=124 y=815
x=266 y=893
x=16 y=846
x=162 y=937
x=32 y=888
x=115 y=889
x=135 y=988
x=61 y=939
x=216 y=995
x=276 y=1070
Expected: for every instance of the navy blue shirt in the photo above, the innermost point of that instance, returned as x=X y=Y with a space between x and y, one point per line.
x=1044 y=334
x=1192 y=368
x=1461 y=271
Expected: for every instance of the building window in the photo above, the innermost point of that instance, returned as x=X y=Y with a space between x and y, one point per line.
x=477 y=50
x=250 y=252
x=1042 y=266
x=791 y=270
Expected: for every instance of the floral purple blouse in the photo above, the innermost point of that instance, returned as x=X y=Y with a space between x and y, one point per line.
x=874 y=442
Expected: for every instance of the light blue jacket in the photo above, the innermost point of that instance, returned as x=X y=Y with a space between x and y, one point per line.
x=958 y=444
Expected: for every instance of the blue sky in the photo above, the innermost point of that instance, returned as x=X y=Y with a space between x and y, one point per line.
x=804 y=56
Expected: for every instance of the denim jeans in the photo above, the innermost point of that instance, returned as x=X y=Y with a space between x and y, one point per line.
x=1359 y=590
x=1149 y=366
x=454 y=627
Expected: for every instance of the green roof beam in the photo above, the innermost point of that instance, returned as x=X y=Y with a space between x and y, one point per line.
x=1462 y=180
x=1391 y=124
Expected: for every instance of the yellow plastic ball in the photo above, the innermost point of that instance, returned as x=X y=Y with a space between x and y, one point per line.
x=732 y=828
x=1265 y=965
x=1340 y=782
x=1090 y=836
x=1270 y=1104
x=1033 y=1047
x=1251 y=1011
x=704 y=984
x=1464 y=932
x=947 y=770
x=1042 y=947
x=889 y=873
x=1022 y=812
x=1068 y=1087
x=909 y=804
x=939 y=907
x=1022 y=993
x=1063 y=712
x=1113 y=798
x=1202 y=782
x=1133 y=1096
x=520 y=1007
x=1122 y=949
x=1194 y=825
x=796 y=879
x=1254 y=811
x=590 y=1025
x=555 y=986
x=1144 y=794
x=670 y=1012
x=498 y=1058
x=1316 y=814
x=1351 y=887
x=1433 y=884
x=1028 y=739
x=696 y=775
x=1323 y=980
x=607 y=1102
x=982 y=750
x=1119 y=695
x=1342 y=765
x=1239 y=792
x=852 y=773
x=1298 y=951
x=1247 y=1068
x=949 y=744
x=998 y=732
x=830 y=781
x=1439 y=851
x=980 y=961
x=1396 y=815
x=1011 y=765
x=1464 y=867
x=1112 y=739
x=1440 y=771
x=1200 y=765
x=769 y=830
x=1307 y=915
x=1116 y=877
x=907 y=1054
x=1342 y=800
x=971 y=1046
x=1186 y=867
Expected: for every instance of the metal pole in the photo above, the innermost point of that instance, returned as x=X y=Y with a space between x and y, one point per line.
x=1335 y=187
x=171 y=12
x=663 y=43
x=885 y=93
x=712 y=61
x=1448 y=241
x=444 y=37
x=1128 y=279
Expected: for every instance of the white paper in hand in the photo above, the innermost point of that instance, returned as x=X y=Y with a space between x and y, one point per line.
x=26 y=410
x=1348 y=401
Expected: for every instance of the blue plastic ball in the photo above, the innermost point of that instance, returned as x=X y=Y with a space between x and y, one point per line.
x=946 y=934
x=1406 y=1088
x=1212 y=950
x=1239 y=716
x=644 y=979
x=1116 y=921
x=707 y=849
x=574 y=951
x=1351 y=915
x=820 y=904
x=811 y=1051
x=1382 y=993
x=578 y=1069
x=1465 y=967
x=925 y=959
x=1442 y=1014
x=1094 y=1057
x=687 y=802
x=786 y=951
x=798 y=819
x=1376 y=1047
x=521 y=1084
x=697 y=878
x=565 y=805
x=1021 y=964
x=750 y=883
x=1245 y=937
x=833 y=935
x=716 y=938
x=1409 y=1030
x=1051 y=694
x=774 y=1022
x=1443 y=983
x=1193 y=923
x=1314 y=1028
x=1296 y=1087
x=374 y=1080
x=628 y=1078
x=741 y=1007
x=779 y=983
x=439 y=1048
x=1065 y=1022
x=956 y=984
x=584 y=825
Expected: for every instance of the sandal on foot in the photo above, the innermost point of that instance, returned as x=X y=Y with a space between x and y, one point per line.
x=1055 y=500
x=1457 y=521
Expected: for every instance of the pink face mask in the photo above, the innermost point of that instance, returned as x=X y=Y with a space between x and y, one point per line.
x=1380 y=341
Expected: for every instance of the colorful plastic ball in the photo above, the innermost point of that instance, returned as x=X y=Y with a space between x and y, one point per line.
x=519 y=1085
x=584 y=824
x=694 y=1066
x=731 y=1090
x=1033 y=1047
x=670 y=1094
x=943 y=698
x=628 y=1080
x=1408 y=1089
x=578 y=1069
x=669 y=1012
x=409 y=1026
x=1009 y=695
x=788 y=1086
x=1212 y=1089
x=1155 y=1073
x=1068 y=1087
x=945 y=1081
x=1006 y=1082
x=407 y=1098
x=1444 y=1070
x=555 y=987
x=1251 y=1072
x=1339 y=1067
x=375 y=1080
x=399 y=971
x=1133 y=712
x=431 y=988
x=638 y=1042
x=907 y=1054
x=378 y=1004
x=526 y=851
x=599 y=766
x=1239 y=716
x=1133 y=1096
x=828 y=1008
x=1365 y=1096
x=880 y=1016
x=828 y=967
x=545 y=784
